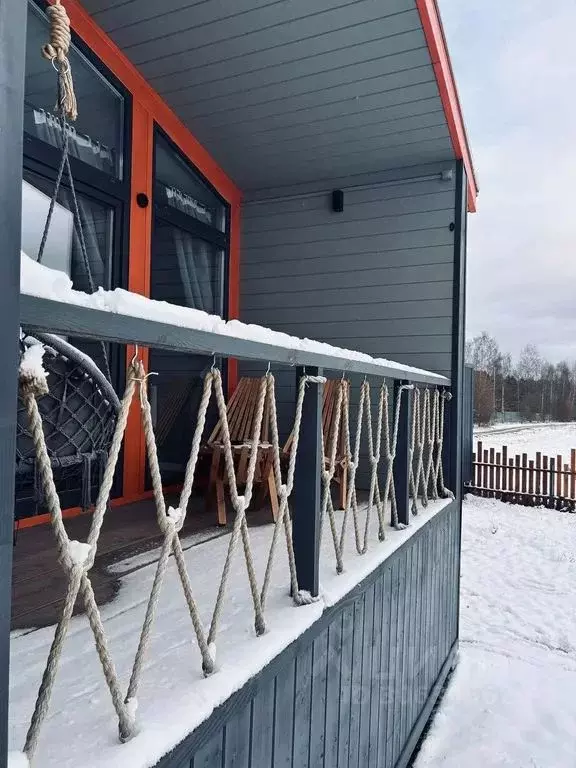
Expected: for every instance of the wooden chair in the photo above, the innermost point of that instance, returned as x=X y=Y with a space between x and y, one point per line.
x=329 y=414
x=241 y=412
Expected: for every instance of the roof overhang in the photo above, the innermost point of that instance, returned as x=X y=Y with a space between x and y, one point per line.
x=436 y=40
x=285 y=92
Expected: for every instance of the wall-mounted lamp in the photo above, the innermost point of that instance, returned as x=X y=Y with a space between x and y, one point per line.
x=338 y=201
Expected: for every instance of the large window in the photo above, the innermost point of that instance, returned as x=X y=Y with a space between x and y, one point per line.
x=99 y=152
x=190 y=235
x=189 y=268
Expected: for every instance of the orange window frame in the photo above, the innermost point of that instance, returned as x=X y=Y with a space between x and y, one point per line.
x=149 y=108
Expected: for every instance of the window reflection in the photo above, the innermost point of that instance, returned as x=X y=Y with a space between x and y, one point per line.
x=63 y=249
x=96 y=136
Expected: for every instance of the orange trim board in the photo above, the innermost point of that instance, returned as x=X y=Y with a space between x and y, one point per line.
x=122 y=501
x=139 y=257
x=436 y=41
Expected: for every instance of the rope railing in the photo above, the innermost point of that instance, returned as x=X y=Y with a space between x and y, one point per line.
x=426 y=478
x=381 y=434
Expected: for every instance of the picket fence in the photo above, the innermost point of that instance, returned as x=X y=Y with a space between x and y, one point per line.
x=546 y=481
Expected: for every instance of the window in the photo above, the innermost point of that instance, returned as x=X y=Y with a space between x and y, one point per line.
x=190 y=238
x=96 y=138
x=189 y=268
x=62 y=250
x=99 y=159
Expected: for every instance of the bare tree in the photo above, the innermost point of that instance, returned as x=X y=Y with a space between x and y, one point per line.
x=482 y=352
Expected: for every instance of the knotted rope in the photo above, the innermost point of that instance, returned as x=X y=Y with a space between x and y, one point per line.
x=425 y=457
x=78 y=558
x=56 y=51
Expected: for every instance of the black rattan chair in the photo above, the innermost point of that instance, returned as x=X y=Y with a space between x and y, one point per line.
x=79 y=415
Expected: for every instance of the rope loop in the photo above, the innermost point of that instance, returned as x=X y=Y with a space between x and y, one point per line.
x=56 y=51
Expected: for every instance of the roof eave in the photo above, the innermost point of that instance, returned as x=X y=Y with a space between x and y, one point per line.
x=436 y=41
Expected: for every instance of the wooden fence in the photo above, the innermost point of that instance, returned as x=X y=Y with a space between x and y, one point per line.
x=546 y=481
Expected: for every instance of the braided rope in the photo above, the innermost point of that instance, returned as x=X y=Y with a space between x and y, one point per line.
x=56 y=51
x=425 y=457
x=76 y=570
x=426 y=477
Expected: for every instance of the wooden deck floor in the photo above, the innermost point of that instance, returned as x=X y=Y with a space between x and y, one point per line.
x=39 y=584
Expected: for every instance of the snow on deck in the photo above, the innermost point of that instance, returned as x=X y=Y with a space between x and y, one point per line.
x=550 y=439
x=511 y=701
x=174 y=698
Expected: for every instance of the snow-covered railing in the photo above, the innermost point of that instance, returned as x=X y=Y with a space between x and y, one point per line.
x=49 y=303
x=398 y=432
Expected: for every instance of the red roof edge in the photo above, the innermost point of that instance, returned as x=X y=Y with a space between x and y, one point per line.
x=436 y=40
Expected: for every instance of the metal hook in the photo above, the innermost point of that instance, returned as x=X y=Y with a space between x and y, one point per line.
x=135 y=357
x=214 y=367
x=268 y=369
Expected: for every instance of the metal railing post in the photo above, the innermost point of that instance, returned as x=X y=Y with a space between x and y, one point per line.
x=12 y=57
x=306 y=512
x=402 y=460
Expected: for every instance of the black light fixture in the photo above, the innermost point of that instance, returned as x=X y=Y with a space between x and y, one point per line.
x=337 y=201
x=142 y=200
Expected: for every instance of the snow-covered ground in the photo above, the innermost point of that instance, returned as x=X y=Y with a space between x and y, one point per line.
x=550 y=439
x=511 y=701
x=174 y=697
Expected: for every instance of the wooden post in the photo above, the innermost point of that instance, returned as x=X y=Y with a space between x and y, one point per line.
x=307 y=484
x=551 y=488
x=524 y=472
x=479 y=456
x=517 y=474
x=498 y=466
x=491 y=469
x=531 y=480
x=13 y=15
x=504 y=467
x=544 y=478
x=538 y=475
x=559 y=476
x=573 y=473
x=401 y=468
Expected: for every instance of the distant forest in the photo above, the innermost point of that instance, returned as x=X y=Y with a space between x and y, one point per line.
x=530 y=386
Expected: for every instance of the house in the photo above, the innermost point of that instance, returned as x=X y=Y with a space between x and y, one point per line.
x=300 y=167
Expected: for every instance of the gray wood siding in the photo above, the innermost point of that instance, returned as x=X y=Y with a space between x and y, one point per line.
x=357 y=688
x=377 y=277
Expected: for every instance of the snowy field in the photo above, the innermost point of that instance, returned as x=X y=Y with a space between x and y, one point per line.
x=550 y=439
x=174 y=697
x=512 y=699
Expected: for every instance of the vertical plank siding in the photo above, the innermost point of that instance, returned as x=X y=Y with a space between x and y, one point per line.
x=357 y=688
x=547 y=481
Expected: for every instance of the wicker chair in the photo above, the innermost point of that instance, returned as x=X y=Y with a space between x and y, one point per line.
x=79 y=415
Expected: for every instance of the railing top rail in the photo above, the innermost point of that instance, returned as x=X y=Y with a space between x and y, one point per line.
x=130 y=327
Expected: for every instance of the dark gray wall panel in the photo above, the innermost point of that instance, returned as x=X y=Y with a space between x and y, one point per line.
x=342 y=278
x=357 y=687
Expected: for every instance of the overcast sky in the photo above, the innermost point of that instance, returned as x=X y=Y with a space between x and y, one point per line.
x=515 y=65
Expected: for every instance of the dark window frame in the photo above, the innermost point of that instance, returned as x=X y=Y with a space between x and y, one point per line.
x=43 y=160
x=189 y=224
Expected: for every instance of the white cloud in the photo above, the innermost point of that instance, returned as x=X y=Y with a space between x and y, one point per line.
x=515 y=65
